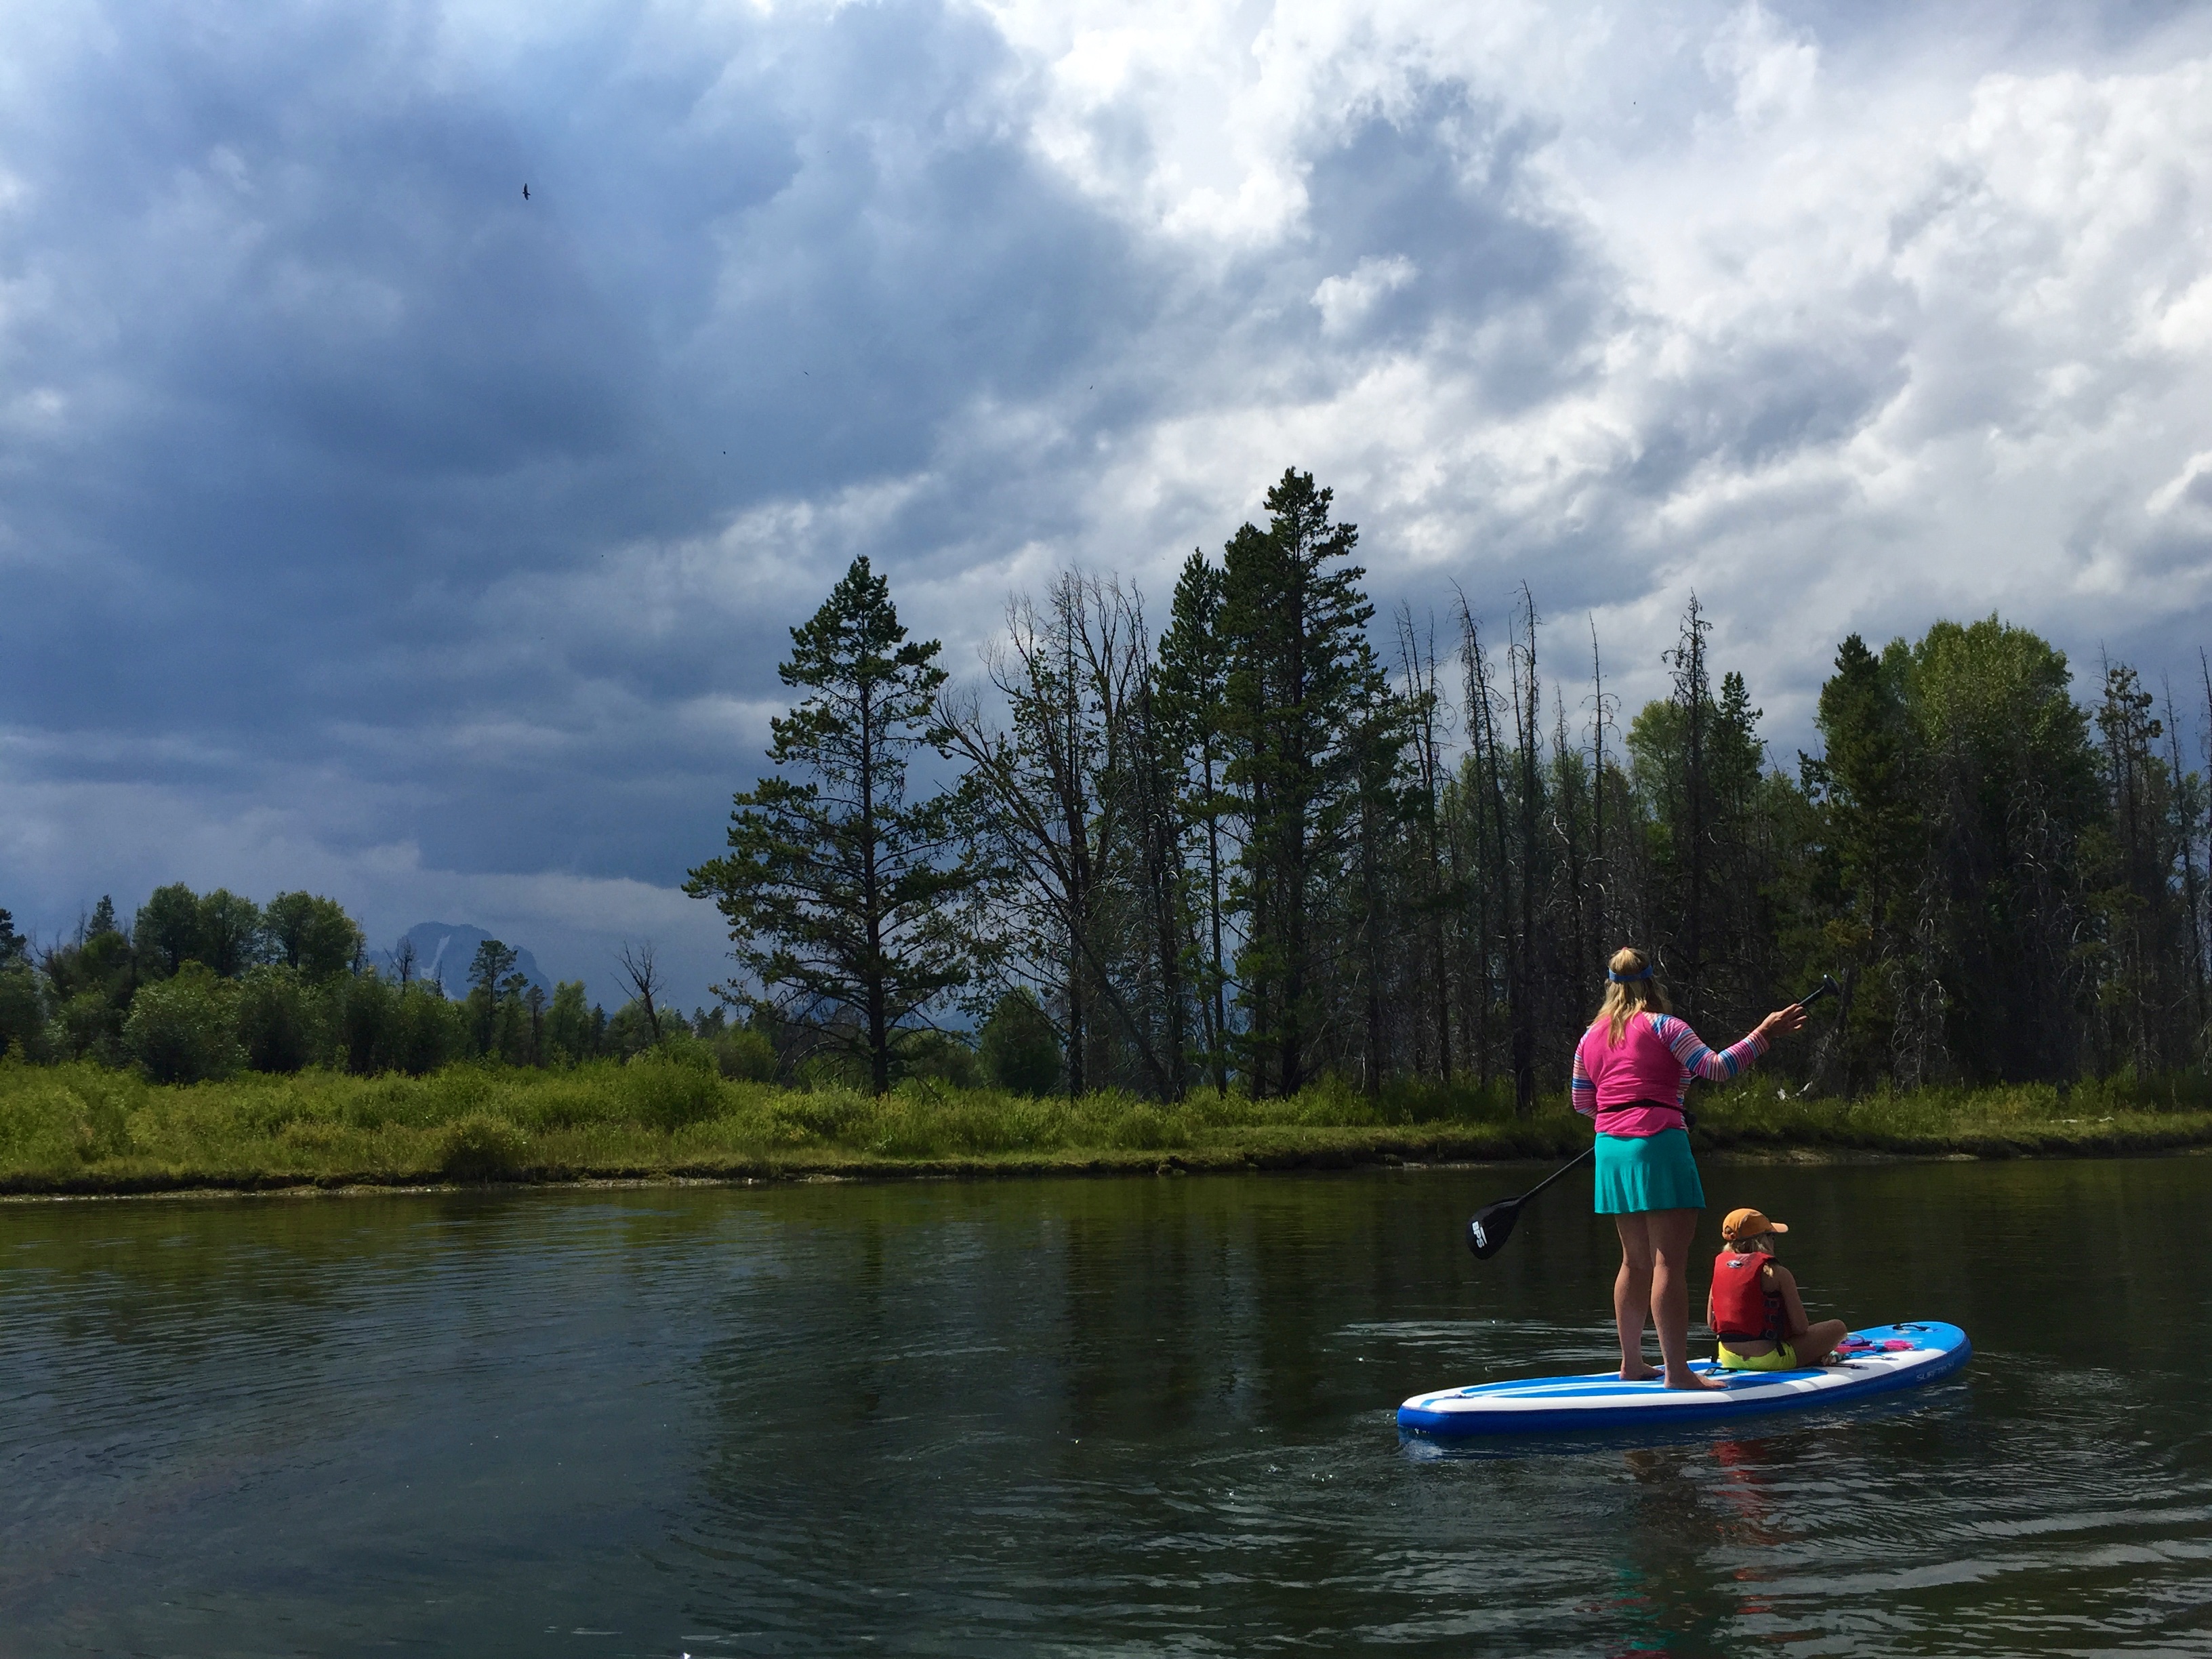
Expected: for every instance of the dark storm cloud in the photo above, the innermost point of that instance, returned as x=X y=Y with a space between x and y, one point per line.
x=326 y=377
x=314 y=415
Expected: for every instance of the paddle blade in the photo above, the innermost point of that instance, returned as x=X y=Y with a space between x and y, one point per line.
x=1489 y=1227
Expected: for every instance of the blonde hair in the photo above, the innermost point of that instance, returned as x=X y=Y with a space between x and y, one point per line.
x=1637 y=993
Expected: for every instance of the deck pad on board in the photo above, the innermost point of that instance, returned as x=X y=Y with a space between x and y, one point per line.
x=1878 y=1360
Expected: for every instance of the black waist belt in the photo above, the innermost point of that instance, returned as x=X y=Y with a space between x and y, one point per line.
x=1689 y=1118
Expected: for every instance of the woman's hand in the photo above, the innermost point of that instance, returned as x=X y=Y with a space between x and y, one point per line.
x=1784 y=1022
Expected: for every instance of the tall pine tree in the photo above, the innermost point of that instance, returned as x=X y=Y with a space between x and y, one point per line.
x=838 y=889
x=1301 y=671
x=1192 y=687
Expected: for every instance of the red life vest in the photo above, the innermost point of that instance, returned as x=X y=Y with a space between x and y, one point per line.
x=1744 y=1310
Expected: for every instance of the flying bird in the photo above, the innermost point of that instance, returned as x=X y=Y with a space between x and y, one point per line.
x=525 y=192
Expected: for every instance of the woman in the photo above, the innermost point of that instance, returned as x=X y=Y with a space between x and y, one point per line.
x=1632 y=1072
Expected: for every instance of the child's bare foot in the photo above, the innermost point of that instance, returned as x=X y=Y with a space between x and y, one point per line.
x=1692 y=1380
x=1638 y=1374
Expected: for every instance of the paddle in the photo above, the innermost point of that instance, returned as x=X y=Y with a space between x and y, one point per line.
x=1488 y=1228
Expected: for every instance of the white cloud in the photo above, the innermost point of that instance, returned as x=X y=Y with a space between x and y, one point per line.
x=1344 y=301
x=1902 y=314
x=2193 y=485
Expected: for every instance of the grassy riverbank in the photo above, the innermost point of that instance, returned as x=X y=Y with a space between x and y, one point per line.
x=82 y=1128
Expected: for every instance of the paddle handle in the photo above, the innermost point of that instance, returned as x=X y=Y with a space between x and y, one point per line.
x=1826 y=987
x=1587 y=1153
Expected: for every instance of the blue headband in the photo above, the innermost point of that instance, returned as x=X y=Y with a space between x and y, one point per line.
x=1624 y=979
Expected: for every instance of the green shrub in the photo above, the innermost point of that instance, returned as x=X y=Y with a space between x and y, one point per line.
x=57 y=1117
x=184 y=1029
x=1019 y=1049
x=427 y=1032
x=22 y=1012
x=1002 y=1124
x=938 y=1056
x=375 y=1026
x=1147 y=1130
x=280 y=1020
x=668 y=1091
x=834 y=1115
x=629 y=1033
x=103 y=1130
x=88 y=1026
x=369 y=1010
x=569 y=1031
x=901 y=1127
x=481 y=1146
x=746 y=1056
x=444 y=1097
x=680 y=1047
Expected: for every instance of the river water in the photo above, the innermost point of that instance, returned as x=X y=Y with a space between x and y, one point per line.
x=1088 y=1417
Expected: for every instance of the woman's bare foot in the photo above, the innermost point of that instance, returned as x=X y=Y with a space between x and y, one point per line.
x=1638 y=1374
x=1692 y=1380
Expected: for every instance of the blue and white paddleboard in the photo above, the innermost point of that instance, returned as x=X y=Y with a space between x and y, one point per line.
x=1878 y=1360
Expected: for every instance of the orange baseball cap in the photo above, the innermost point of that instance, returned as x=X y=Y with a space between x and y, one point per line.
x=1749 y=1223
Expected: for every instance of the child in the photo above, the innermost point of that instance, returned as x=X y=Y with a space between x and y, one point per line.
x=1754 y=1310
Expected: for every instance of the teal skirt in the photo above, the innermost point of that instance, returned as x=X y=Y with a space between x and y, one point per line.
x=1647 y=1172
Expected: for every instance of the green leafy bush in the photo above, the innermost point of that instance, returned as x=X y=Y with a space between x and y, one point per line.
x=88 y=1026
x=280 y=1019
x=938 y=1057
x=667 y=1091
x=832 y=1115
x=746 y=1056
x=22 y=1013
x=57 y=1117
x=184 y=1029
x=481 y=1146
x=1147 y=1130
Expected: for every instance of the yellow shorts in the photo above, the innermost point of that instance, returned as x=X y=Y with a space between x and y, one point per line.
x=1784 y=1359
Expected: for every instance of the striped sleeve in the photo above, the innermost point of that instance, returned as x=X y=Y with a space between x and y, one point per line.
x=1682 y=1042
x=1581 y=1091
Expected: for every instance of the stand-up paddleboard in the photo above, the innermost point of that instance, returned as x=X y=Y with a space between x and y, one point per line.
x=1875 y=1361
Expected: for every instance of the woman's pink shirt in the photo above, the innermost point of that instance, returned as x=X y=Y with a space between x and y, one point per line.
x=1655 y=1060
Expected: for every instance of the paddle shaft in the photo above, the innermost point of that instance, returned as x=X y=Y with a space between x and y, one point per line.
x=1583 y=1157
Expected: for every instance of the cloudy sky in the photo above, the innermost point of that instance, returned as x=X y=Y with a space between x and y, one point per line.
x=365 y=527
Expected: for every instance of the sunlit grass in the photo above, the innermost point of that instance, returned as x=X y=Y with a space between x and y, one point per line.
x=82 y=1128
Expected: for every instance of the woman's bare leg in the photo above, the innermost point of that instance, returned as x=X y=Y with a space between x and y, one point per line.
x=1670 y=1232
x=1632 y=1294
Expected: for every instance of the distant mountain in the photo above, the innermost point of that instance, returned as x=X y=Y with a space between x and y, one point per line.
x=443 y=952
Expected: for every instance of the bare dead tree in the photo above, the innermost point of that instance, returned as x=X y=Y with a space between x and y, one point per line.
x=643 y=973
x=1073 y=677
